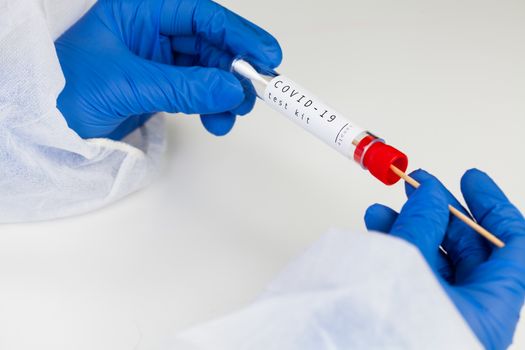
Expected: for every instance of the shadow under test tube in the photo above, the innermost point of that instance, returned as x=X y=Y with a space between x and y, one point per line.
x=309 y=112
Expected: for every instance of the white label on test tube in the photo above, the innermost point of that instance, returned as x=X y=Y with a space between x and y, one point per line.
x=306 y=110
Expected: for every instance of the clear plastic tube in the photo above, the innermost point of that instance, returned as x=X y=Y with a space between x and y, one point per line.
x=308 y=111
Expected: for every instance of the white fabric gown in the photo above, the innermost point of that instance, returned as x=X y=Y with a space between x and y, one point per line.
x=348 y=291
x=46 y=170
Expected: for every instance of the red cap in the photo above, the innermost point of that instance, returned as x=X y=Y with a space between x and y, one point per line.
x=378 y=157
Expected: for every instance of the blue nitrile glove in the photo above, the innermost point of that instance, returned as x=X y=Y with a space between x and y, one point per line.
x=487 y=284
x=127 y=59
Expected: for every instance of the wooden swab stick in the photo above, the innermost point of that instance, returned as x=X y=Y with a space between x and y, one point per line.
x=471 y=223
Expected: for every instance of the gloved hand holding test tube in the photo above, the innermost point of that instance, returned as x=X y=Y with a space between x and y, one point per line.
x=384 y=162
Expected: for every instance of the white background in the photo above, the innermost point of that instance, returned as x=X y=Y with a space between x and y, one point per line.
x=442 y=80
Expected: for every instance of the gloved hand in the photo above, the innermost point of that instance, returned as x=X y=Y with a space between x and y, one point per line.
x=487 y=284
x=127 y=59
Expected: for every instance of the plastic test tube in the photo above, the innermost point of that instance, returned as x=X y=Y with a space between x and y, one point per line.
x=307 y=111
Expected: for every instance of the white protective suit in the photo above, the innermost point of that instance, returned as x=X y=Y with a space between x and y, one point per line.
x=46 y=170
x=349 y=291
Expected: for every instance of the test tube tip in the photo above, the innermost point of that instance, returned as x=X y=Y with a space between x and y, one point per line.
x=245 y=69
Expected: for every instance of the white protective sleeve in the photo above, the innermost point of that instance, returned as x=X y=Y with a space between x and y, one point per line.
x=46 y=170
x=348 y=291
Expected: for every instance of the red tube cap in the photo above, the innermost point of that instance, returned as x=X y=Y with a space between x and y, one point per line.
x=378 y=159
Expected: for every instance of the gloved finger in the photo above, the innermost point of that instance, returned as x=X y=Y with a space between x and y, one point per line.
x=249 y=101
x=184 y=60
x=424 y=219
x=380 y=218
x=192 y=90
x=466 y=249
x=165 y=54
x=128 y=126
x=221 y=27
x=208 y=54
x=189 y=44
x=218 y=124
x=495 y=212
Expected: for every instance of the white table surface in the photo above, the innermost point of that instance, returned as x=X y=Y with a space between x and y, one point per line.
x=443 y=80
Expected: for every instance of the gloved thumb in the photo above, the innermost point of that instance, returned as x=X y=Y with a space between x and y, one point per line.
x=159 y=87
x=218 y=124
x=380 y=218
x=424 y=219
